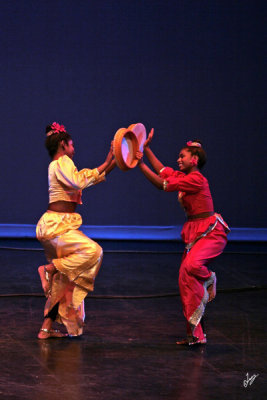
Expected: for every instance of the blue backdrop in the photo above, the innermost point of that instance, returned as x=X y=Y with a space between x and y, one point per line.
x=187 y=68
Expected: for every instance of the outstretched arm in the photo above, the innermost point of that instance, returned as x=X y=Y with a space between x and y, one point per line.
x=154 y=161
x=149 y=174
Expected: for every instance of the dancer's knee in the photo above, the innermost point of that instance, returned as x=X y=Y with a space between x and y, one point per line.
x=93 y=249
x=190 y=266
x=98 y=250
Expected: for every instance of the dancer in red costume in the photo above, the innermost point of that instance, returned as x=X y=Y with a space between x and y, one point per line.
x=204 y=233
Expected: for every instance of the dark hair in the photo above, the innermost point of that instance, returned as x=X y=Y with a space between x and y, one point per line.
x=52 y=141
x=198 y=151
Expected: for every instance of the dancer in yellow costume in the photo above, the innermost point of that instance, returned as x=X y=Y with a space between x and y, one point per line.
x=74 y=259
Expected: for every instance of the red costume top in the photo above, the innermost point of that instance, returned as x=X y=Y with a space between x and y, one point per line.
x=194 y=191
x=195 y=197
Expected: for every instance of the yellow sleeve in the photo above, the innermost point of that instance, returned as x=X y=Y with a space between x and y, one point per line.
x=67 y=173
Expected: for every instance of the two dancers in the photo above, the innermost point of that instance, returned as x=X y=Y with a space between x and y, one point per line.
x=74 y=259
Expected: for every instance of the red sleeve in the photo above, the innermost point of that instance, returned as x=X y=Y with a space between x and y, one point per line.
x=178 y=181
x=166 y=172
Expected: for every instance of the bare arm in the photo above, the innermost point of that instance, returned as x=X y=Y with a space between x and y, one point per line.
x=154 y=161
x=108 y=161
x=151 y=176
x=111 y=166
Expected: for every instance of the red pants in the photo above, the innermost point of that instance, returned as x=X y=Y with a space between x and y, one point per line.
x=194 y=276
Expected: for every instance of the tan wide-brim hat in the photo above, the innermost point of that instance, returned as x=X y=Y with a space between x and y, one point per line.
x=125 y=146
x=140 y=132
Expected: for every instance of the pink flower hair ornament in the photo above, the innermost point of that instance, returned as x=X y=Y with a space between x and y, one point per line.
x=193 y=144
x=56 y=128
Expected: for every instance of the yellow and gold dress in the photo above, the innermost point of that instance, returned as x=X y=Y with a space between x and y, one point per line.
x=76 y=257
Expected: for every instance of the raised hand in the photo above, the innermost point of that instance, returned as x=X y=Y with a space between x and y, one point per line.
x=149 y=138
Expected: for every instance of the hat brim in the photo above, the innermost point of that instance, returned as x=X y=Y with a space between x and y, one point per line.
x=125 y=147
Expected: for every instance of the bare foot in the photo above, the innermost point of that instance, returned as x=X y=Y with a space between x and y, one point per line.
x=183 y=342
x=192 y=341
x=52 y=333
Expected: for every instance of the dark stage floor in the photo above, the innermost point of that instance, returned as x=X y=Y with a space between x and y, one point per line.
x=134 y=317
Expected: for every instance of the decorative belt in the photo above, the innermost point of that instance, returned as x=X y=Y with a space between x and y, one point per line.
x=201 y=215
